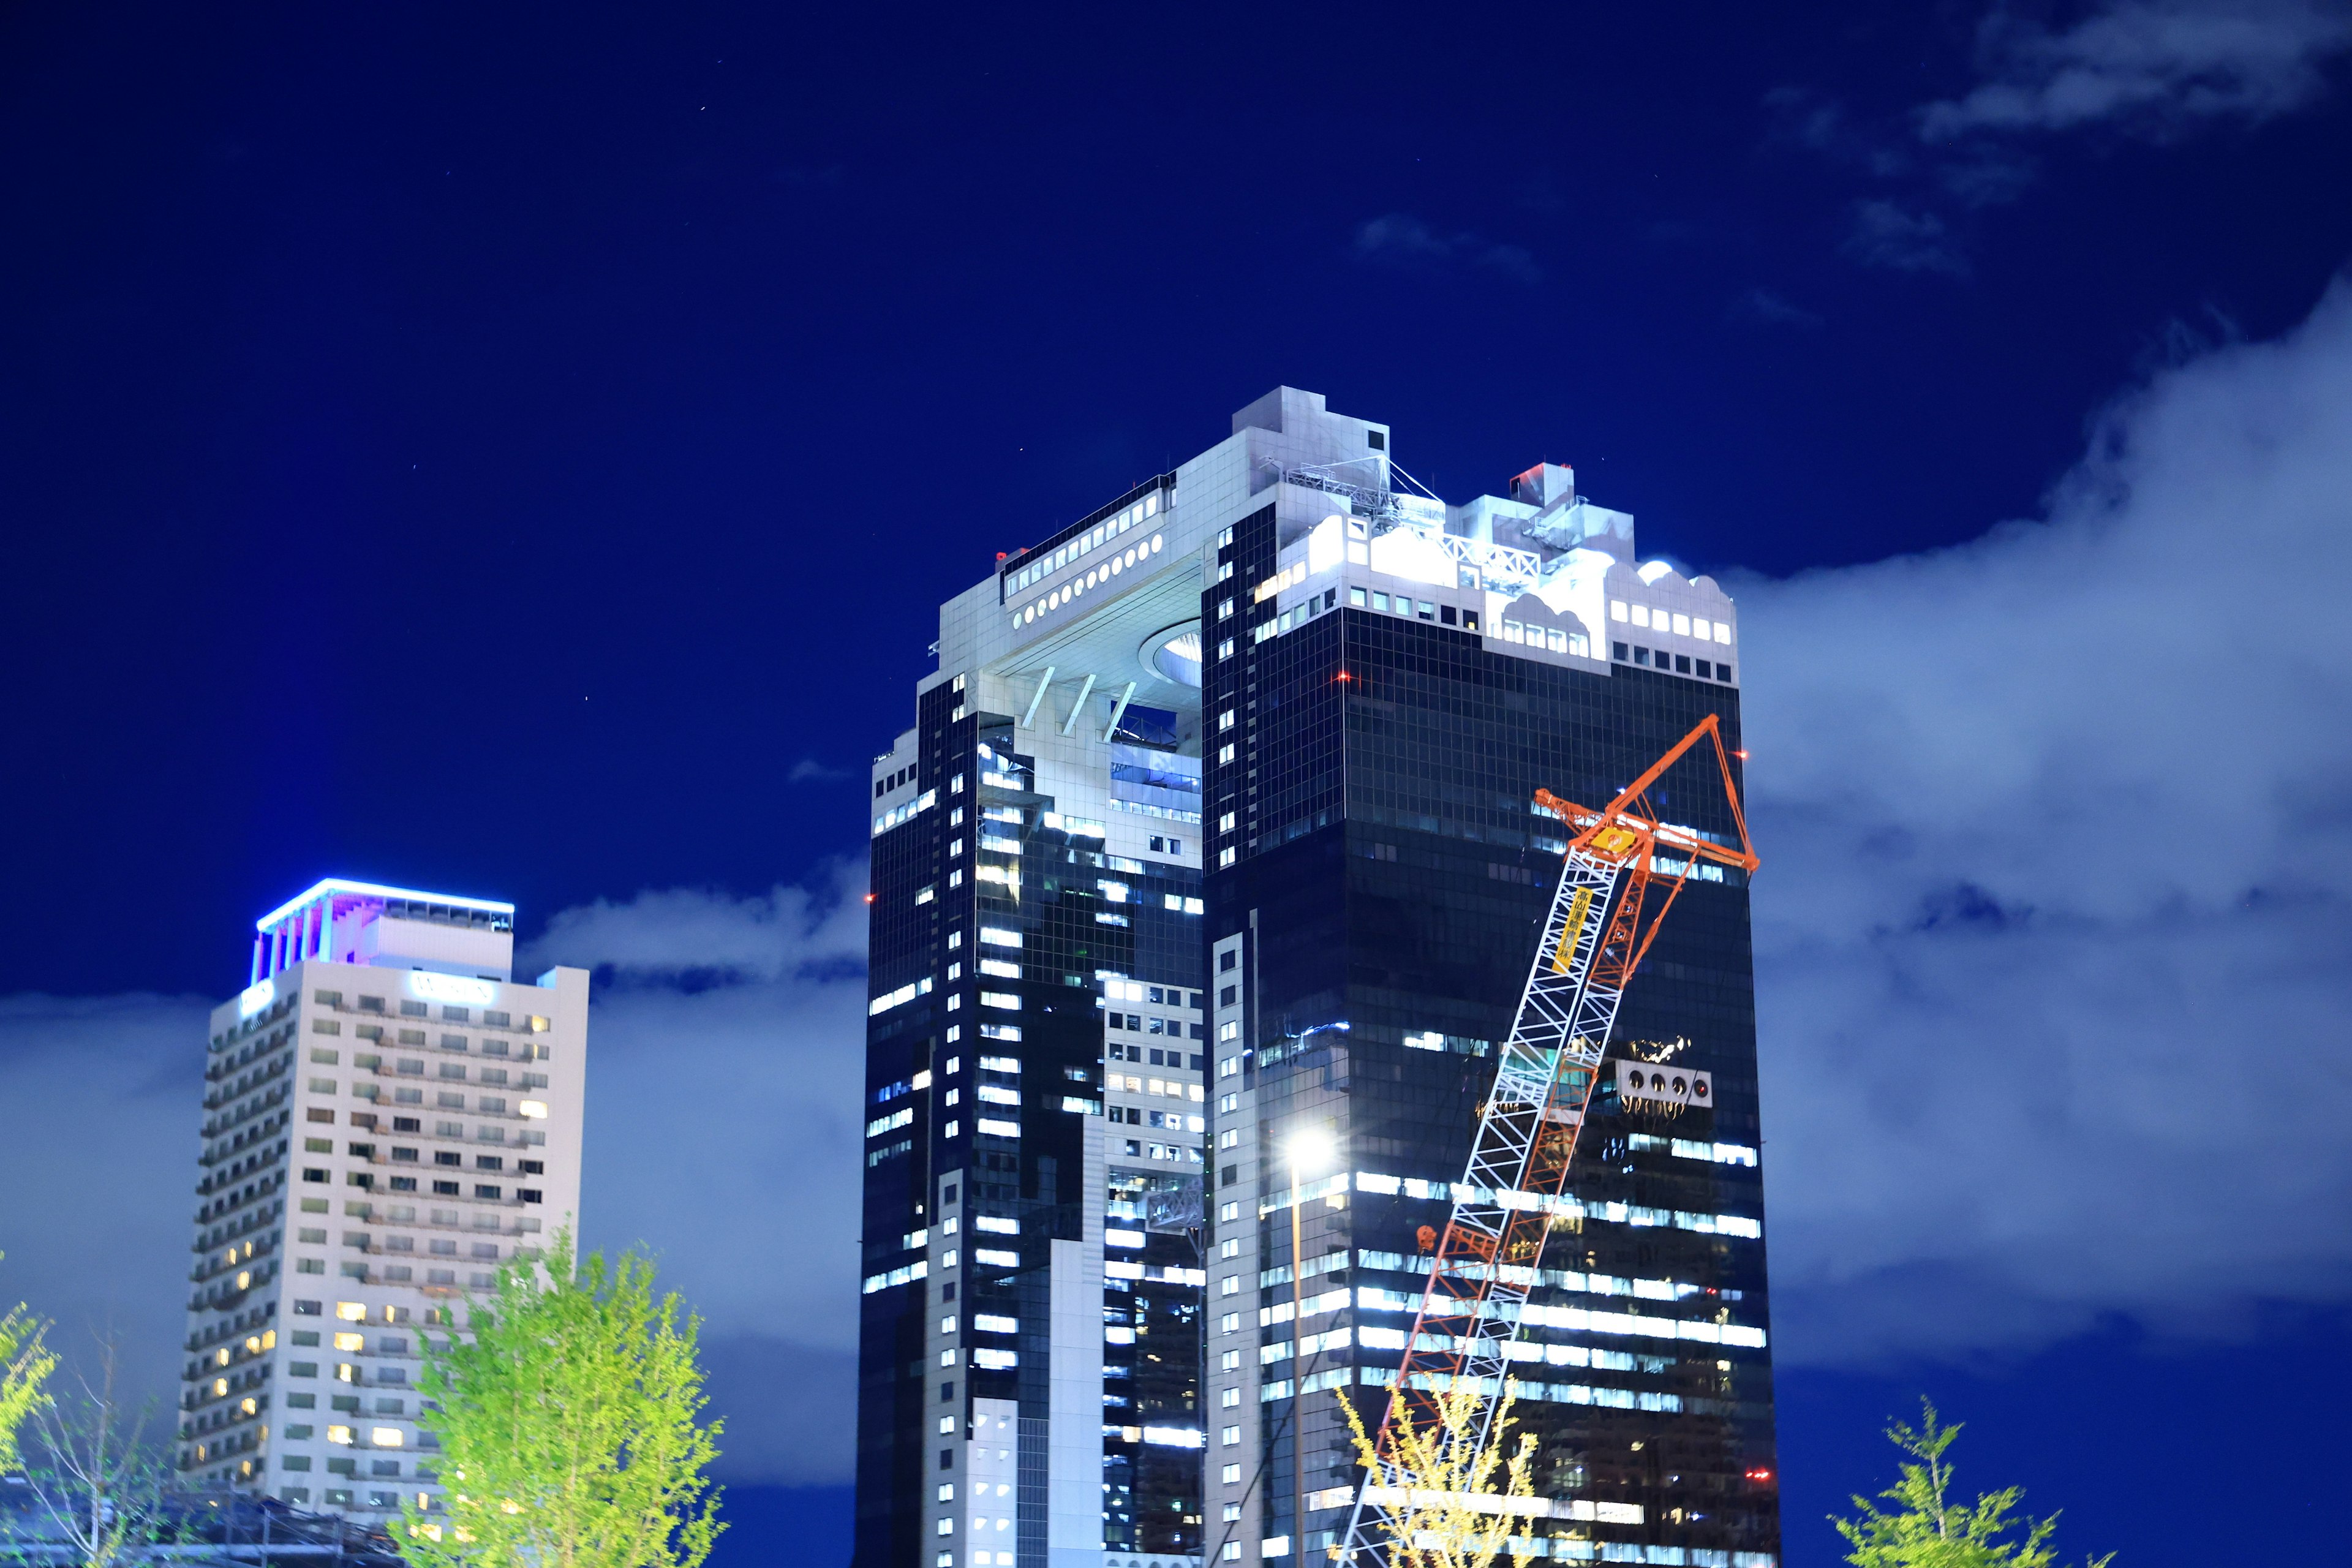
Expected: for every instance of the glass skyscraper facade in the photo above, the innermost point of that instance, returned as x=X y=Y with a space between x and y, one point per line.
x=1378 y=683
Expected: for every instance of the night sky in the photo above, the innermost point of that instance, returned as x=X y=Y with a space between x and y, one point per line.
x=520 y=453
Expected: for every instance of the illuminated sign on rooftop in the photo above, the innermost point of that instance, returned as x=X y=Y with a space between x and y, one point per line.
x=461 y=989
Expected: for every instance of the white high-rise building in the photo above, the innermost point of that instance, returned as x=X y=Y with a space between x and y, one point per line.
x=388 y=1116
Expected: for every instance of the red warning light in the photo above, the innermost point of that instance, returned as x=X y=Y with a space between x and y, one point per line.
x=869 y=898
x=1759 y=1475
x=1741 y=755
x=1345 y=676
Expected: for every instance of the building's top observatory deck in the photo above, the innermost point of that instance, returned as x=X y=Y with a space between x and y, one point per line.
x=341 y=921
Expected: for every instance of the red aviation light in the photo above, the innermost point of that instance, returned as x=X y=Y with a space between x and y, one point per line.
x=869 y=898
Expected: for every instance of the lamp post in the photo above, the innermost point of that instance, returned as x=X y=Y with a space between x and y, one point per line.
x=1310 y=1148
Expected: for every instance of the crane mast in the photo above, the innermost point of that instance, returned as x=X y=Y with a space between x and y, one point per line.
x=1490 y=1254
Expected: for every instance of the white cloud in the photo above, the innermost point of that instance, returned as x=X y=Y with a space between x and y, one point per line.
x=100 y=1178
x=1885 y=235
x=660 y=937
x=2153 y=67
x=2052 y=936
x=1400 y=239
x=725 y=1125
x=2158 y=71
x=1765 y=308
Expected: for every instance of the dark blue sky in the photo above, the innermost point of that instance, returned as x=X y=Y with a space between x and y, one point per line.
x=494 y=447
x=522 y=451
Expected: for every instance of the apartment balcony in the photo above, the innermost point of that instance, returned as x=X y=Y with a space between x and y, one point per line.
x=250 y=1256
x=261 y=1156
x=216 y=1126
x=268 y=1125
x=215 y=1099
x=235 y=1385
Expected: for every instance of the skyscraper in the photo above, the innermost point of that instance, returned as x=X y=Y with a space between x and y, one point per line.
x=1346 y=693
x=388 y=1117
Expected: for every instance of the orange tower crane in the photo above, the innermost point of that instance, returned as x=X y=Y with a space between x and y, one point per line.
x=1621 y=861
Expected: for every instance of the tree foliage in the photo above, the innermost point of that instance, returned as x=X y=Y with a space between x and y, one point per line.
x=1445 y=1508
x=568 y=1425
x=1925 y=1528
x=25 y=1363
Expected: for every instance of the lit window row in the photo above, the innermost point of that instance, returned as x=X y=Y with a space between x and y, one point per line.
x=1142 y=550
x=1550 y=1393
x=1172 y=1089
x=1584 y=1321
x=903 y=995
x=1137 y=1149
x=1289 y=577
x=1546 y=1203
x=898 y=814
x=1120 y=1268
x=1151 y=810
x=1110 y=528
x=1681 y=626
x=1172 y=1122
x=1404 y=604
x=900 y=1276
x=1684 y=1148
x=1553 y=637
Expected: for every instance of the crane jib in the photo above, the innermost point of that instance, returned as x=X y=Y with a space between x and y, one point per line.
x=1487 y=1261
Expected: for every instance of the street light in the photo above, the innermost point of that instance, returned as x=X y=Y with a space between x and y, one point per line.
x=1311 y=1150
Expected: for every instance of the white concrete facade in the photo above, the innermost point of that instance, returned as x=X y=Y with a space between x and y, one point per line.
x=388 y=1117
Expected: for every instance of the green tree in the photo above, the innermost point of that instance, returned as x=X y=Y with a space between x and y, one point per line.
x=1454 y=1504
x=568 y=1425
x=1923 y=1528
x=25 y=1364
